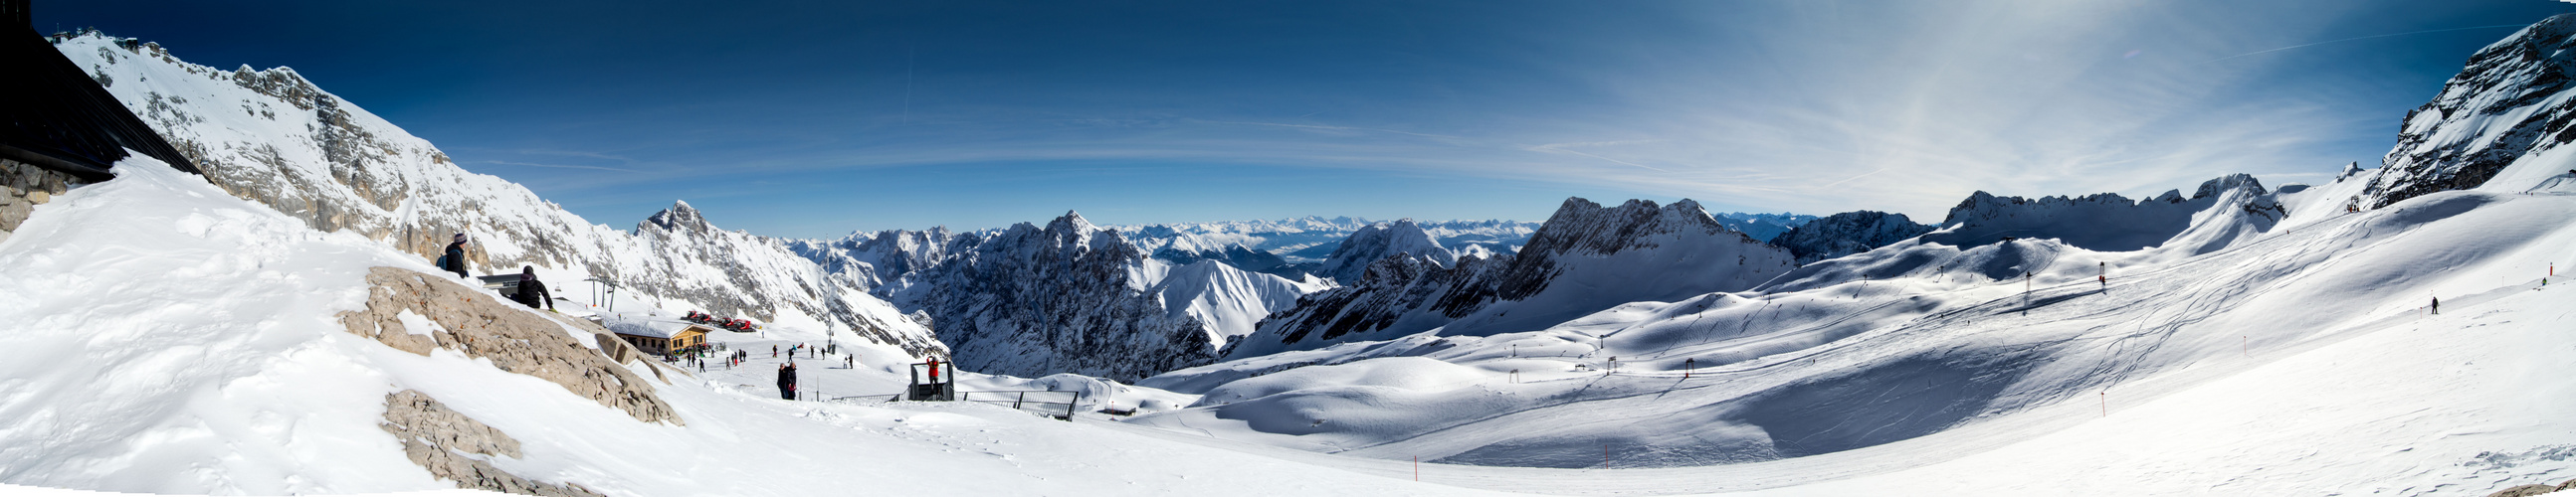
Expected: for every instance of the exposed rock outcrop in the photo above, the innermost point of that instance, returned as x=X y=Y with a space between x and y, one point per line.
x=2533 y=489
x=22 y=186
x=514 y=338
x=442 y=440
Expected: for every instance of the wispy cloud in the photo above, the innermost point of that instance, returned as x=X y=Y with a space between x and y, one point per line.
x=2359 y=38
x=1562 y=148
x=557 y=166
x=1321 y=127
x=1784 y=105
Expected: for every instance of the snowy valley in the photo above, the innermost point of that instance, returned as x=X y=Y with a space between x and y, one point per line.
x=276 y=326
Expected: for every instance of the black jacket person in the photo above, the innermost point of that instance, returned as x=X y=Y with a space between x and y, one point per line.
x=456 y=257
x=787 y=381
x=532 y=293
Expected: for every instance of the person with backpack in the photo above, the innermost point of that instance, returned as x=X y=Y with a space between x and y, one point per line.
x=454 y=261
x=532 y=293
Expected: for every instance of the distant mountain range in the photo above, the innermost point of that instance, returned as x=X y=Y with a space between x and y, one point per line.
x=1064 y=296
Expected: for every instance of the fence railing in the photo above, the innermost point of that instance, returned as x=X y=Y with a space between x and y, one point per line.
x=1058 y=404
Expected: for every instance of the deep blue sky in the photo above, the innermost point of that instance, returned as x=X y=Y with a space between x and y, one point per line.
x=817 y=119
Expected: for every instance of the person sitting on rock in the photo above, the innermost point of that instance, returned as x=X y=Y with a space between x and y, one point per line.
x=456 y=257
x=532 y=293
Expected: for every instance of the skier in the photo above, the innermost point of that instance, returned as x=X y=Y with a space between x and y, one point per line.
x=2437 y=305
x=456 y=257
x=532 y=293
x=934 y=370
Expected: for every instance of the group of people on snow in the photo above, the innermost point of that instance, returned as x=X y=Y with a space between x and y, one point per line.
x=531 y=293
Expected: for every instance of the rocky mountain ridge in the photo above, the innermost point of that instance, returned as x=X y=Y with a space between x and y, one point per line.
x=1068 y=297
x=1847 y=233
x=1379 y=241
x=1584 y=258
x=2509 y=102
x=273 y=137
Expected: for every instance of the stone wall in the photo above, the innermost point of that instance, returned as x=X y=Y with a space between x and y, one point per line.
x=22 y=186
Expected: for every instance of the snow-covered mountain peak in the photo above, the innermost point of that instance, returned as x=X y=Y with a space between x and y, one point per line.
x=680 y=216
x=1583 y=227
x=1380 y=241
x=2228 y=183
x=275 y=138
x=1585 y=256
x=2512 y=100
x=1071 y=222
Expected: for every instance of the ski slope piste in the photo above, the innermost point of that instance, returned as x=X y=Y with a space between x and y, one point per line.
x=168 y=337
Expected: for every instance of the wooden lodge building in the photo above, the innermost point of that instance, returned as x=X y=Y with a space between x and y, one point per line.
x=663 y=338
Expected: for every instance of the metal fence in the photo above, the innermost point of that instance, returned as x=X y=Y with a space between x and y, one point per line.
x=1058 y=404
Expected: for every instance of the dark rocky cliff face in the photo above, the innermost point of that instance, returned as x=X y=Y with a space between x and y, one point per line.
x=2511 y=100
x=1848 y=233
x=1032 y=301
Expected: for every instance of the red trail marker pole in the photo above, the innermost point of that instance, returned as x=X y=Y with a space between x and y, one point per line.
x=1417 y=468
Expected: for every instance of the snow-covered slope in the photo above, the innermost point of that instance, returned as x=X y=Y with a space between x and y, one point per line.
x=1907 y=358
x=273 y=137
x=144 y=376
x=171 y=339
x=1379 y=241
x=1847 y=233
x=1585 y=258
